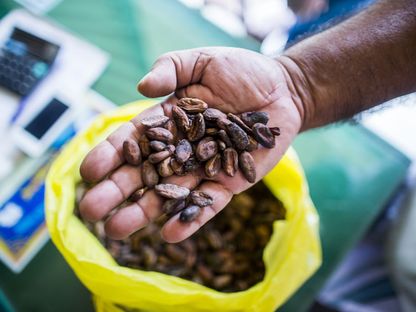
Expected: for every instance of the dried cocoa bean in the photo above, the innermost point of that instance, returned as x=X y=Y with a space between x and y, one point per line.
x=213 y=166
x=137 y=194
x=159 y=134
x=131 y=152
x=156 y=158
x=144 y=146
x=251 y=118
x=189 y=214
x=172 y=206
x=238 y=136
x=183 y=151
x=252 y=144
x=221 y=145
x=213 y=114
x=192 y=105
x=239 y=122
x=230 y=161
x=247 y=166
x=171 y=127
x=177 y=167
x=191 y=164
x=154 y=121
x=211 y=131
x=201 y=198
x=263 y=135
x=157 y=146
x=150 y=176
x=206 y=149
x=181 y=119
x=275 y=131
x=172 y=191
x=164 y=168
x=225 y=138
x=197 y=129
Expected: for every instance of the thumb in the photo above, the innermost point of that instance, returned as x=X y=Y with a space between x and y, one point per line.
x=172 y=71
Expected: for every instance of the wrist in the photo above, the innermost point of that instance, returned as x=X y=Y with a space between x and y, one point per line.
x=300 y=89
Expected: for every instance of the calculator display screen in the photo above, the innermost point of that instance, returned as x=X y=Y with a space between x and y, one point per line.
x=39 y=47
x=46 y=118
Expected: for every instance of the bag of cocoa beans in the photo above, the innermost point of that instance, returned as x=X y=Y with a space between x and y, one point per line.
x=251 y=257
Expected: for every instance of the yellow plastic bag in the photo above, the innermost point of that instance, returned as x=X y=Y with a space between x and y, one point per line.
x=290 y=257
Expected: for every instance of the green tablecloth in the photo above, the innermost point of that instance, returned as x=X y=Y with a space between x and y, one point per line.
x=351 y=172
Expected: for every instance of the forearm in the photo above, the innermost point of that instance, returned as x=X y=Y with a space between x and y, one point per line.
x=358 y=64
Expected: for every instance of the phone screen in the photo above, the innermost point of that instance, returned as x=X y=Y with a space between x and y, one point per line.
x=46 y=118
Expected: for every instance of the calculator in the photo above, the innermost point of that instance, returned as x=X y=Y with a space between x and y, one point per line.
x=25 y=60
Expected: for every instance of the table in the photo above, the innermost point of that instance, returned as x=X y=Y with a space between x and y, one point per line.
x=352 y=173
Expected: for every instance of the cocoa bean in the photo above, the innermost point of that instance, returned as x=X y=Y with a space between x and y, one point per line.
x=247 y=166
x=263 y=135
x=238 y=136
x=183 y=151
x=177 y=167
x=137 y=194
x=172 y=191
x=172 y=206
x=159 y=134
x=192 y=105
x=150 y=176
x=239 y=122
x=230 y=161
x=189 y=214
x=213 y=114
x=197 y=129
x=157 y=146
x=144 y=146
x=154 y=121
x=201 y=198
x=251 y=118
x=181 y=119
x=131 y=152
x=213 y=166
x=164 y=168
x=206 y=149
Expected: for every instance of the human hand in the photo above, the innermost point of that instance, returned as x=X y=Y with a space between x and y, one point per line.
x=232 y=80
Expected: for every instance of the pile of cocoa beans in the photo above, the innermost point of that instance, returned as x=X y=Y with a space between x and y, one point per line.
x=225 y=254
x=197 y=137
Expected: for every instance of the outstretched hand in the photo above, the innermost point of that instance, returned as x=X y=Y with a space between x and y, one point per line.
x=232 y=80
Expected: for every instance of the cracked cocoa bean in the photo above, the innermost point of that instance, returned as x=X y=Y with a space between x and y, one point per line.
x=213 y=166
x=177 y=167
x=164 y=168
x=230 y=161
x=197 y=129
x=263 y=135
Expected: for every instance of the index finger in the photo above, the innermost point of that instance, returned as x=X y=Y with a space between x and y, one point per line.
x=108 y=155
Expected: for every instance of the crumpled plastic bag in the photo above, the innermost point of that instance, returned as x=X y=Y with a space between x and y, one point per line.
x=291 y=256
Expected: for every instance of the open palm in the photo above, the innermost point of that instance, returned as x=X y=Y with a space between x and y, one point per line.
x=232 y=80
